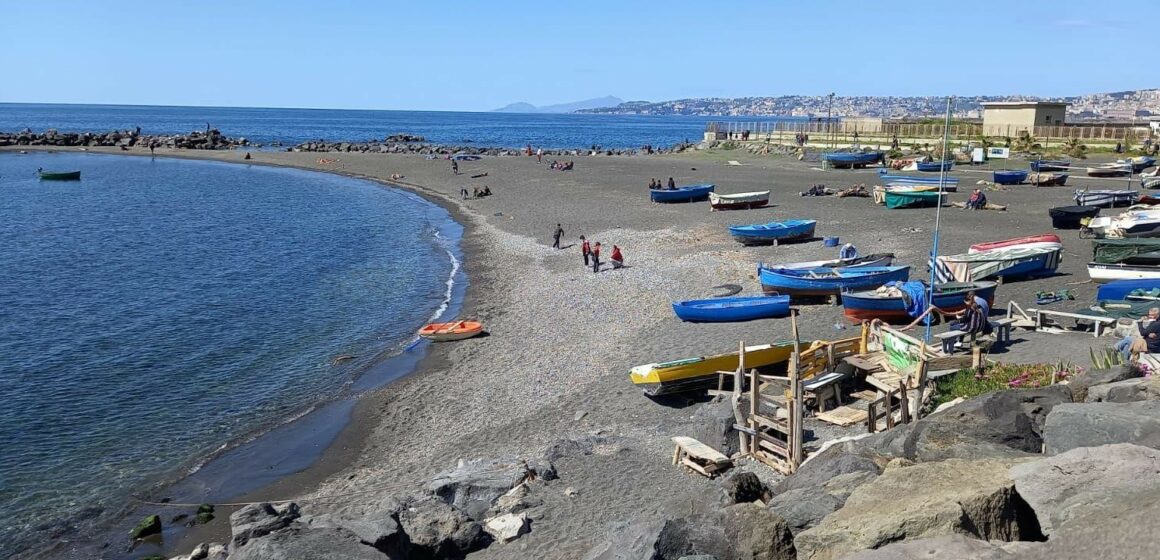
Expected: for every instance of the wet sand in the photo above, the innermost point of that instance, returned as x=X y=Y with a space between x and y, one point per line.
x=562 y=338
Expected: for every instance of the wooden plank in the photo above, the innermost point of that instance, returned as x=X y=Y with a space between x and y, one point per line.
x=699 y=450
x=866 y=395
x=773 y=423
x=843 y=416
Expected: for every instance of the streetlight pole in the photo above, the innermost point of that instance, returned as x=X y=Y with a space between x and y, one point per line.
x=830 y=122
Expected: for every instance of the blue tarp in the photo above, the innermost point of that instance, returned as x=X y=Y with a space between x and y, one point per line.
x=914 y=294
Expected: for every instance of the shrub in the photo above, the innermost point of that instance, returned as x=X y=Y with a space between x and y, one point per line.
x=968 y=383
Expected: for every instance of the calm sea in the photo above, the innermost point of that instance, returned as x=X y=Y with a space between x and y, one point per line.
x=159 y=309
x=293 y=126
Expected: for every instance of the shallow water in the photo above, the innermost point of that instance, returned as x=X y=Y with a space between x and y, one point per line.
x=158 y=309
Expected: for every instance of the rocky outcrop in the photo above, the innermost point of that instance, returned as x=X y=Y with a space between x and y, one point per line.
x=1127 y=531
x=744 y=487
x=150 y=525
x=435 y=529
x=300 y=542
x=211 y=139
x=1128 y=390
x=258 y=520
x=712 y=424
x=948 y=547
x=805 y=507
x=507 y=527
x=1094 y=424
x=407 y=144
x=1079 y=384
x=473 y=486
x=374 y=523
x=926 y=500
x=831 y=463
x=1086 y=485
x=737 y=531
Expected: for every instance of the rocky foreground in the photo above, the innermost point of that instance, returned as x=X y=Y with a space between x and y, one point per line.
x=1067 y=471
x=211 y=139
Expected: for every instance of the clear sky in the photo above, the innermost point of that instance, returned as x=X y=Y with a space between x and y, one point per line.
x=477 y=56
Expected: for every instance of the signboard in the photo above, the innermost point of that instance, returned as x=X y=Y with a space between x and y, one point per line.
x=1001 y=153
x=977 y=156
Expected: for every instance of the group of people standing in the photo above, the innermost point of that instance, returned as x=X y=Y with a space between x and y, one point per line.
x=590 y=251
x=654 y=184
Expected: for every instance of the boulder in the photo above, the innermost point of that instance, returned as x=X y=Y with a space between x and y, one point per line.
x=954 y=496
x=803 y=508
x=150 y=525
x=712 y=425
x=375 y=523
x=1087 y=484
x=754 y=532
x=1129 y=531
x=636 y=540
x=298 y=542
x=256 y=520
x=438 y=530
x=507 y=527
x=1128 y=390
x=1094 y=424
x=947 y=547
x=1080 y=384
x=473 y=486
x=831 y=463
x=745 y=530
x=516 y=500
x=741 y=487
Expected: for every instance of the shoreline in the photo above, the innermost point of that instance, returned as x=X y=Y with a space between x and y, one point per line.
x=349 y=413
x=514 y=395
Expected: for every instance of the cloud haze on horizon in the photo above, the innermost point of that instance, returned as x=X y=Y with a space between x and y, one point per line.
x=479 y=56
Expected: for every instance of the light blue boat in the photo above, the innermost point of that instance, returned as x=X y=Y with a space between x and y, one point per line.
x=929 y=166
x=852 y=159
x=773 y=232
x=891 y=180
x=827 y=281
x=687 y=193
x=732 y=309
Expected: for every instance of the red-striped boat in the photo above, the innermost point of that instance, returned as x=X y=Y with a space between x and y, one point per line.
x=1041 y=240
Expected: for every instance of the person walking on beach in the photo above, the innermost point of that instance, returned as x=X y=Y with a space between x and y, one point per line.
x=616 y=257
x=539 y=154
x=585 y=250
x=455 y=167
x=596 y=257
x=556 y=236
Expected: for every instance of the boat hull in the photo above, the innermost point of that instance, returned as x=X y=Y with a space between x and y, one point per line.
x=1106 y=198
x=1101 y=273
x=1071 y=217
x=743 y=201
x=1118 y=290
x=880 y=259
x=1047 y=179
x=60 y=176
x=732 y=310
x=448 y=332
x=1041 y=240
x=1010 y=177
x=692 y=193
x=852 y=159
x=933 y=166
x=803 y=283
x=1006 y=263
x=913 y=199
x=867 y=305
x=774 y=232
x=701 y=373
x=1049 y=165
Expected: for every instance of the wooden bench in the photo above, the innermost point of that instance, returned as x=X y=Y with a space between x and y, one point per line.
x=825 y=387
x=949 y=339
x=1003 y=329
x=699 y=457
x=1099 y=322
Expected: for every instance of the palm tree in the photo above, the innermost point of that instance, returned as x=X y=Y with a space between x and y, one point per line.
x=1074 y=148
x=1025 y=143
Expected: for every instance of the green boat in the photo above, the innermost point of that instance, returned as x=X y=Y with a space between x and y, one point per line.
x=59 y=175
x=912 y=199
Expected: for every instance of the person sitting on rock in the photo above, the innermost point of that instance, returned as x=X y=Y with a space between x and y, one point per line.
x=977 y=201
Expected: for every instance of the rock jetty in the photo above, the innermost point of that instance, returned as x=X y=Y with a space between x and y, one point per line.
x=408 y=144
x=196 y=140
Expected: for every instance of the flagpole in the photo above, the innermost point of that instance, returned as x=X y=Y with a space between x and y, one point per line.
x=942 y=181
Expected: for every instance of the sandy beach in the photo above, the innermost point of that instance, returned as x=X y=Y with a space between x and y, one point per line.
x=553 y=371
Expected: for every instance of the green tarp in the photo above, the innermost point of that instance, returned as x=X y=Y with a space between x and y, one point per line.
x=1112 y=251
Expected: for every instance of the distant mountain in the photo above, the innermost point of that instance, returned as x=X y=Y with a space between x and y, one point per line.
x=596 y=103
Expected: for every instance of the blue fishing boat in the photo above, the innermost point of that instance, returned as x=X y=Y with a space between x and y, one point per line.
x=852 y=159
x=904 y=301
x=732 y=309
x=1050 y=165
x=827 y=281
x=929 y=166
x=773 y=232
x=1010 y=177
x=1123 y=289
x=1139 y=164
x=950 y=185
x=687 y=193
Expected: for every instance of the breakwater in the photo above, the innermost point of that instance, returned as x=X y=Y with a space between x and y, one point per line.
x=210 y=139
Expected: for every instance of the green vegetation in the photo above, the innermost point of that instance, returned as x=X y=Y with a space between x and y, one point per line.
x=967 y=383
x=1074 y=148
x=1025 y=143
x=1105 y=358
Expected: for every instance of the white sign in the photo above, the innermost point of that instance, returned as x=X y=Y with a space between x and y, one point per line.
x=977 y=155
x=1001 y=153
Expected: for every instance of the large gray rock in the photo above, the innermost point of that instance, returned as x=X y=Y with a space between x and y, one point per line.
x=947 y=547
x=637 y=540
x=257 y=520
x=473 y=486
x=803 y=508
x=1086 y=485
x=1094 y=424
x=298 y=542
x=821 y=469
x=754 y=532
x=1080 y=384
x=1128 y=532
x=742 y=487
x=374 y=522
x=745 y=530
x=438 y=530
x=1128 y=390
x=925 y=500
x=712 y=424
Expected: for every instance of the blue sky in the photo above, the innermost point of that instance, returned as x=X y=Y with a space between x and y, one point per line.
x=481 y=55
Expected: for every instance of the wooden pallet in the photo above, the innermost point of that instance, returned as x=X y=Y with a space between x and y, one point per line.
x=843 y=416
x=699 y=457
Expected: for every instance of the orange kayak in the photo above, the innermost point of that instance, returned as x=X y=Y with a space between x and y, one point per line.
x=444 y=332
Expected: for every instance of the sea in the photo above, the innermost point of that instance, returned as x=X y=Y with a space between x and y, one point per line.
x=289 y=127
x=170 y=323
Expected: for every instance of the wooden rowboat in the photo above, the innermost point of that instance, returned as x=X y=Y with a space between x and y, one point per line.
x=687 y=193
x=445 y=332
x=700 y=373
x=755 y=199
x=59 y=175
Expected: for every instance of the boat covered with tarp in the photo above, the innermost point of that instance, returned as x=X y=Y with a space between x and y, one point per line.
x=1071 y=217
x=1007 y=263
x=1124 y=259
x=1139 y=221
x=913 y=199
x=1106 y=198
x=905 y=301
x=1043 y=179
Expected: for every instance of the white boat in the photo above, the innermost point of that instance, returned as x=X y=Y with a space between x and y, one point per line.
x=878 y=259
x=1101 y=273
x=1106 y=198
x=755 y=199
x=1133 y=223
x=1110 y=170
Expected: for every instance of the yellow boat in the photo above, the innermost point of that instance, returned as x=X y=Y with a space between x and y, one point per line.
x=700 y=373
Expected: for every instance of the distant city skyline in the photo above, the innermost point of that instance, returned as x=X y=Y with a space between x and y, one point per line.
x=477 y=57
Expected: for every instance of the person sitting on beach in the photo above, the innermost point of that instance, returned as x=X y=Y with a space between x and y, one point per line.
x=978 y=200
x=652 y=184
x=849 y=251
x=396 y=176
x=971 y=319
x=486 y=191
x=617 y=258
x=474 y=192
x=568 y=166
x=1148 y=339
x=672 y=186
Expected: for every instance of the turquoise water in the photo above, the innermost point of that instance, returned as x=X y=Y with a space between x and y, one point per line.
x=157 y=310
